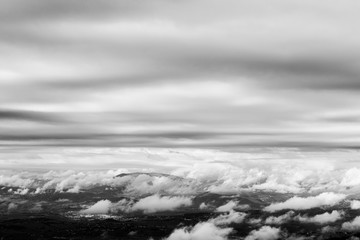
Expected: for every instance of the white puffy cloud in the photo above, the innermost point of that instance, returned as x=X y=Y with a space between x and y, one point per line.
x=16 y=180
x=227 y=207
x=323 y=218
x=197 y=171
x=66 y=180
x=355 y=204
x=101 y=207
x=73 y=181
x=278 y=175
x=201 y=231
x=254 y=221
x=228 y=218
x=213 y=229
x=157 y=203
x=353 y=225
x=76 y=181
x=151 y=204
x=280 y=219
x=61 y=200
x=203 y=206
x=75 y=189
x=264 y=233
x=22 y=191
x=323 y=199
x=152 y=184
x=351 y=177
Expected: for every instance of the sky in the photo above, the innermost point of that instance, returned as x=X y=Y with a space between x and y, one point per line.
x=179 y=74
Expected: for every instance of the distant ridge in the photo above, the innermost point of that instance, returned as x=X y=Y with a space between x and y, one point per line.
x=135 y=174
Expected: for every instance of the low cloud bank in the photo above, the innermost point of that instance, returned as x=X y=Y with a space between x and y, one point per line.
x=351 y=177
x=157 y=203
x=151 y=204
x=217 y=229
x=355 y=204
x=225 y=175
x=227 y=207
x=101 y=207
x=264 y=233
x=21 y=191
x=228 y=218
x=353 y=225
x=201 y=231
x=214 y=229
x=203 y=206
x=320 y=218
x=300 y=203
x=280 y=219
x=323 y=218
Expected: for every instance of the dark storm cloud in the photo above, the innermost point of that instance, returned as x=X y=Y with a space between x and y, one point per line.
x=172 y=139
x=190 y=73
x=332 y=71
x=310 y=73
x=27 y=116
x=321 y=65
x=19 y=10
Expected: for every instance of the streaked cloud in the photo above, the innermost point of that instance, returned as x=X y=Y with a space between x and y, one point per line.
x=179 y=74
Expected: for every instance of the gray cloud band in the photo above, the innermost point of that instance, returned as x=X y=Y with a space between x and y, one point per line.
x=107 y=74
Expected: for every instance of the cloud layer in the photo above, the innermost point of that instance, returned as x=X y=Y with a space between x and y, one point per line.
x=228 y=74
x=353 y=225
x=101 y=207
x=323 y=218
x=147 y=205
x=201 y=231
x=264 y=233
x=157 y=203
x=299 y=203
x=187 y=172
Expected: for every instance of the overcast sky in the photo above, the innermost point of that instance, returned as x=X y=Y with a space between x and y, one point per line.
x=193 y=74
